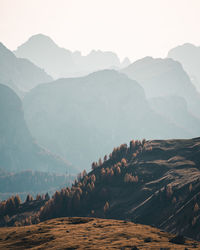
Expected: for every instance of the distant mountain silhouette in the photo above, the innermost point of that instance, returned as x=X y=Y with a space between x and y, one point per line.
x=164 y=77
x=19 y=74
x=83 y=118
x=60 y=62
x=18 y=151
x=189 y=56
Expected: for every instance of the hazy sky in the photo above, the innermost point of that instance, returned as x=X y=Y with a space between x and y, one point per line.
x=133 y=28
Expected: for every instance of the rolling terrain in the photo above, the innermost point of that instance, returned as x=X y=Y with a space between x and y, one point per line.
x=150 y=182
x=89 y=233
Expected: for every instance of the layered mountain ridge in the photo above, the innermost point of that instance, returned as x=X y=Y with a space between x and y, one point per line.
x=189 y=56
x=19 y=74
x=164 y=77
x=95 y=113
x=18 y=150
x=60 y=62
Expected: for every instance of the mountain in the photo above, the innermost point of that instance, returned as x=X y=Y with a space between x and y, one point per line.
x=90 y=233
x=189 y=56
x=152 y=182
x=60 y=62
x=175 y=110
x=84 y=118
x=18 y=151
x=164 y=77
x=42 y=51
x=19 y=74
x=96 y=60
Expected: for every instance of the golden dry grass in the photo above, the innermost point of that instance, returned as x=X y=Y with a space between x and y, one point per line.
x=87 y=233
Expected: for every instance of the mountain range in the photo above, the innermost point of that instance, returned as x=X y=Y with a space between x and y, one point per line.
x=60 y=62
x=164 y=77
x=83 y=118
x=62 y=112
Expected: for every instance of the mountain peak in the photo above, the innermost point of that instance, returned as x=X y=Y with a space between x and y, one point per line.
x=39 y=40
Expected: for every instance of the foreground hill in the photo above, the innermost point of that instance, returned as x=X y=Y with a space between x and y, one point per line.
x=19 y=74
x=89 y=233
x=164 y=77
x=150 y=182
x=84 y=118
x=18 y=151
x=189 y=56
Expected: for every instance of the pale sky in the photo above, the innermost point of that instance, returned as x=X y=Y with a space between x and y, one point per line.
x=133 y=28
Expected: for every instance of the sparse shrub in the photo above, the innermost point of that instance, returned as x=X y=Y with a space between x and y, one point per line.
x=100 y=162
x=105 y=158
x=103 y=172
x=93 y=177
x=194 y=221
x=17 y=201
x=134 y=155
x=29 y=198
x=130 y=178
x=38 y=197
x=174 y=200
x=118 y=170
x=190 y=187
x=94 y=165
x=106 y=207
x=47 y=197
x=124 y=162
x=169 y=191
x=196 y=207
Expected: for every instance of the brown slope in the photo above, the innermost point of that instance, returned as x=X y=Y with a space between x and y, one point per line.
x=164 y=193
x=88 y=233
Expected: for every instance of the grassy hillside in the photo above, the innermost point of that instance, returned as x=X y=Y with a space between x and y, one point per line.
x=150 y=182
x=154 y=182
x=88 y=233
